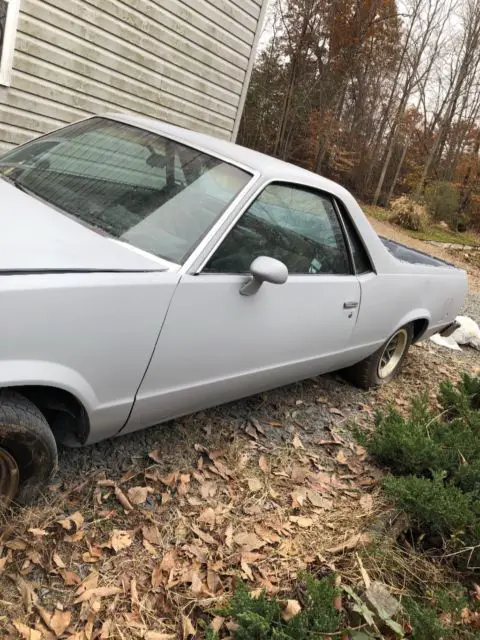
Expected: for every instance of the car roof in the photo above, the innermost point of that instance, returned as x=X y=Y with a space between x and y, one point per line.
x=256 y=161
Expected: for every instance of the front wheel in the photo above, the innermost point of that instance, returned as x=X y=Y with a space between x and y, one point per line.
x=28 y=452
x=383 y=365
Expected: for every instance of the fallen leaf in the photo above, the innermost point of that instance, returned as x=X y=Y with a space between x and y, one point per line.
x=150 y=548
x=229 y=536
x=290 y=609
x=29 y=597
x=366 y=502
x=99 y=592
x=319 y=501
x=90 y=582
x=269 y=536
x=297 y=443
x=299 y=495
x=213 y=581
x=304 y=523
x=134 y=593
x=341 y=458
x=358 y=540
x=382 y=600
x=76 y=537
x=16 y=545
x=76 y=519
x=299 y=474
x=38 y=532
x=254 y=484
x=123 y=500
x=187 y=628
x=157 y=635
x=106 y=629
x=216 y=624
x=184 y=485
x=251 y=431
x=169 y=561
x=196 y=584
x=70 y=578
x=26 y=632
x=59 y=622
x=157 y=576
x=138 y=495
x=208 y=489
x=121 y=540
x=207 y=517
x=206 y=537
x=249 y=540
x=152 y=534
x=336 y=412
x=246 y=569
x=58 y=561
x=263 y=464
x=4 y=560
x=256 y=424
x=156 y=456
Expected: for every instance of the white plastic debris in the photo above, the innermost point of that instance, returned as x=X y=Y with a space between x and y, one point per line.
x=448 y=343
x=467 y=334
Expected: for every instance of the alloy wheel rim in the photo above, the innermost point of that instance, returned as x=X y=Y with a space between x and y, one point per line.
x=392 y=354
x=9 y=476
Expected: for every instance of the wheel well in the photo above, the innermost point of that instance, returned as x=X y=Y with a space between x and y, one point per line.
x=65 y=414
x=419 y=328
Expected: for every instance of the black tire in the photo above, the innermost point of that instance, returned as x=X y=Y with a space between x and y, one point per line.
x=366 y=375
x=26 y=435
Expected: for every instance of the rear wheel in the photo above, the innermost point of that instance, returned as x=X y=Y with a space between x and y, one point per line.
x=28 y=451
x=385 y=363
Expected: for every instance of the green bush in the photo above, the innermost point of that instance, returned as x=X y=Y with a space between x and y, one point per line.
x=435 y=461
x=436 y=507
x=405 y=445
x=443 y=202
x=424 y=621
x=261 y=618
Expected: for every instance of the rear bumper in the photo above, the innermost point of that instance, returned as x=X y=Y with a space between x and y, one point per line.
x=449 y=329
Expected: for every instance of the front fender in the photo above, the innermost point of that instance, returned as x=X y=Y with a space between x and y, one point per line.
x=17 y=373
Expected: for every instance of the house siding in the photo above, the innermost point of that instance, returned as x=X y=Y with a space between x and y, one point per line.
x=182 y=61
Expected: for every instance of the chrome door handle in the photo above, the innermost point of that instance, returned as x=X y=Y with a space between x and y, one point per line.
x=350 y=305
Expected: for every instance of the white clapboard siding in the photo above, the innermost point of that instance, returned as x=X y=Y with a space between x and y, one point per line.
x=183 y=61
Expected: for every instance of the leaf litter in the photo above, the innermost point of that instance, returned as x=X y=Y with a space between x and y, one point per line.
x=148 y=554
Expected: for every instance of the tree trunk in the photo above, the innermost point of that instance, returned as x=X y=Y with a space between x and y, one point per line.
x=398 y=169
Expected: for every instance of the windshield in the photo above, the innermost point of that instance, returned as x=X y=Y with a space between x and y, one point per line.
x=131 y=184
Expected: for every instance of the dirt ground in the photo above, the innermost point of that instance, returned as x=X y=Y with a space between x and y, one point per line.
x=142 y=537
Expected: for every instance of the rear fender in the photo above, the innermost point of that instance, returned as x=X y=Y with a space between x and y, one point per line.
x=412 y=316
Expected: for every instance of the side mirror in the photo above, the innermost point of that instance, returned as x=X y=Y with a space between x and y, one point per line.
x=264 y=269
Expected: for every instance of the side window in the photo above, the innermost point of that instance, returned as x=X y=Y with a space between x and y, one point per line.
x=295 y=225
x=360 y=257
x=9 y=11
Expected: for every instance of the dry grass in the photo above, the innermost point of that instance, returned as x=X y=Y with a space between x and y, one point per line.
x=244 y=510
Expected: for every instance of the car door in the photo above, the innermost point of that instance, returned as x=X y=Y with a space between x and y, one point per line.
x=217 y=345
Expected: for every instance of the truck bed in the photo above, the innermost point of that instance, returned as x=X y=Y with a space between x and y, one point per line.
x=406 y=254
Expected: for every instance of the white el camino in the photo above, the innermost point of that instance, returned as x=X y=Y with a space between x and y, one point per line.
x=147 y=272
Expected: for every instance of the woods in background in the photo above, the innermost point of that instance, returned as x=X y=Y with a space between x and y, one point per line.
x=380 y=95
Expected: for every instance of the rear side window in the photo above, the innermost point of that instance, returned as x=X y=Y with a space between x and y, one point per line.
x=361 y=260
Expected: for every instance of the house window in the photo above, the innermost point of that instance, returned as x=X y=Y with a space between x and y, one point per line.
x=9 y=11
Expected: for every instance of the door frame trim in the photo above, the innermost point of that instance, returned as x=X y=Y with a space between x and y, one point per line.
x=202 y=256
